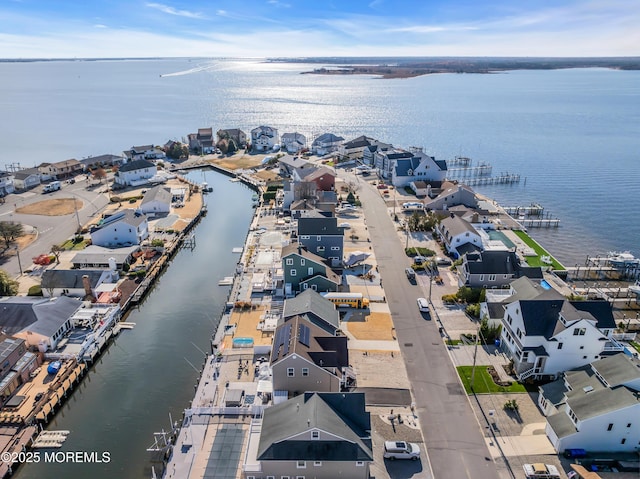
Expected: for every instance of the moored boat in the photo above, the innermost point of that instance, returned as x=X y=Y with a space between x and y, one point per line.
x=622 y=260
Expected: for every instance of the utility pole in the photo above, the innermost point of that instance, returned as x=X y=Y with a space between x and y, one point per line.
x=19 y=263
x=475 y=353
x=75 y=207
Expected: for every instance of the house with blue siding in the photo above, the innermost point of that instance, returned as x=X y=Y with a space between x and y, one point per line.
x=304 y=270
x=322 y=236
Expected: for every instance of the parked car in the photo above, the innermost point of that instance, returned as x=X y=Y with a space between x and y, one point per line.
x=344 y=225
x=541 y=471
x=419 y=259
x=423 y=305
x=401 y=450
x=440 y=261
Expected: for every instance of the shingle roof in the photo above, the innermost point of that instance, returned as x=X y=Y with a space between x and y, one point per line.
x=618 y=369
x=561 y=424
x=554 y=391
x=327 y=138
x=601 y=402
x=540 y=316
x=128 y=216
x=42 y=316
x=297 y=248
x=598 y=309
x=157 y=193
x=319 y=172
x=358 y=142
x=94 y=254
x=311 y=305
x=24 y=174
x=403 y=165
x=338 y=414
x=141 y=149
x=456 y=226
x=70 y=278
x=319 y=226
x=136 y=165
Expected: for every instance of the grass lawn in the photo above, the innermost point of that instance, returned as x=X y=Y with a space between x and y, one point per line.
x=483 y=383
x=540 y=251
x=70 y=245
x=415 y=251
x=453 y=342
x=635 y=345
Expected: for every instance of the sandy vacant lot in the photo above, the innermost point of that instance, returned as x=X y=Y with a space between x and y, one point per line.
x=239 y=161
x=55 y=207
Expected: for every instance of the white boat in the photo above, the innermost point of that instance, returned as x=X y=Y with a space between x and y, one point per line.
x=635 y=288
x=622 y=260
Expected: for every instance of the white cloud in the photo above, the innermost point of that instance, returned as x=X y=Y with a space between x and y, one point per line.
x=173 y=11
x=99 y=25
x=279 y=4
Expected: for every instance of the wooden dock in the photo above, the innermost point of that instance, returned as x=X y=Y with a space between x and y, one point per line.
x=50 y=439
x=540 y=223
x=504 y=179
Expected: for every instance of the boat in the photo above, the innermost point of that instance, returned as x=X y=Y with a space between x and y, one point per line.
x=622 y=260
x=54 y=367
x=635 y=288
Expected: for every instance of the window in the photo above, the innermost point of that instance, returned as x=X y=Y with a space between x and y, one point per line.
x=482 y=277
x=320 y=248
x=629 y=425
x=303 y=237
x=293 y=272
x=315 y=435
x=560 y=345
x=309 y=270
x=271 y=477
x=289 y=261
x=299 y=477
x=318 y=238
x=301 y=261
x=251 y=477
x=492 y=277
x=359 y=463
x=290 y=372
x=301 y=464
x=335 y=248
x=305 y=286
x=579 y=331
x=623 y=441
x=305 y=371
x=610 y=427
x=317 y=463
x=509 y=320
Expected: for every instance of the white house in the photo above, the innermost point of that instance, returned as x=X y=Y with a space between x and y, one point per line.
x=6 y=183
x=293 y=142
x=456 y=232
x=545 y=337
x=264 y=138
x=135 y=173
x=74 y=282
x=326 y=143
x=452 y=194
x=144 y=152
x=419 y=167
x=26 y=179
x=125 y=228
x=353 y=149
x=156 y=201
x=596 y=407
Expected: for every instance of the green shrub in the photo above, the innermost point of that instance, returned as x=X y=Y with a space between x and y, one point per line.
x=269 y=195
x=449 y=298
x=157 y=242
x=126 y=267
x=469 y=295
x=132 y=200
x=35 y=290
x=473 y=310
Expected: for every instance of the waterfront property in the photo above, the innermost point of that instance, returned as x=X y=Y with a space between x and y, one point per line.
x=596 y=407
x=264 y=138
x=459 y=236
x=304 y=270
x=143 y=152
x=135 y=173
x=94 y=256
x=314 y=308
x=61 y=169
x=354 y=149
x=238 y=136
x=322 y=235
x=493 y=269
x=124 y=228
x=80 y=283
x=156 y=201
x=293 y=142
x=326 y=143
x=107 y=160
x=304 y=357
x=452 y=194
x=321 y=435
x=417 y=167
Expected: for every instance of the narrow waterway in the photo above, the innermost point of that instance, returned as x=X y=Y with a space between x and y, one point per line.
x=146 y=374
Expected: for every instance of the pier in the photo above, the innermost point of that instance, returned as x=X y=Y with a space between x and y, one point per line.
x=540 y=223
x=534 y=209
x=503 y=179
x=483 y=169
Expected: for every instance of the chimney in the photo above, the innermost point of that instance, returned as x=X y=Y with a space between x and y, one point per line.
x=87 y=285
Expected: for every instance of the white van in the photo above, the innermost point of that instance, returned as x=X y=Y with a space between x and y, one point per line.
x=401 y=450
x=423 y=305
x=53 y=186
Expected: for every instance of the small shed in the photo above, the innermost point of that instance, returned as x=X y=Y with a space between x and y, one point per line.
x=233 y=397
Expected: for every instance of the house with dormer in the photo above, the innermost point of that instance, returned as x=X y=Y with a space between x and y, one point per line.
x=493 y=269
x=595 y=407
x=202 y=142
x=135 y=173
x=418 y=167
x=326 y=143
x=304 y=270
x=353 y=149
x=459 y=236
x=143 y=152
x=124 y=228
x=313 y=308
x=322 y=236
x=264 y=138
x=293 y=142
x=452 y=194
x=314 y=435
x=547 y=336
x=304 y=358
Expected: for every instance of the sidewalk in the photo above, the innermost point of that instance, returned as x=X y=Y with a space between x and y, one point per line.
x=462 y=355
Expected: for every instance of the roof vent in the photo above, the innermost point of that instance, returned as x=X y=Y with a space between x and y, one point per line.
x=587 y=389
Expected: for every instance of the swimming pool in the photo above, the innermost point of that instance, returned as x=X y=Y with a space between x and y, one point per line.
x=545 y=285
x=242 y=342
x=500 y=236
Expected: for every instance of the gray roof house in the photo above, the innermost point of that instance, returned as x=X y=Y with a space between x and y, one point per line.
x=239 y=136
x=41 y=322
x=288 y=164
x=305 y=357
x=94 y=256
x=547 y=335
x=456 y=232
x=293 y=142
x=493 y=269
x=320 y=435
x=314 y=308
x=264 y=138
x=595 y=407
x=102 y=160
x=124 y=228
x=26 y=179
x=156 y=201
x=322 y=235
x=135 y=172
x=353 y=149
x=453 y=194
x=326 y=143
x=304 y=270
x=419 y=167
x=72 y=282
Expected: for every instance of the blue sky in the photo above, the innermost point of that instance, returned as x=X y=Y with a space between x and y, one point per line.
x=292 y=28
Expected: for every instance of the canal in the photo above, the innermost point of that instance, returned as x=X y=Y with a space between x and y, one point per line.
x=147 y=373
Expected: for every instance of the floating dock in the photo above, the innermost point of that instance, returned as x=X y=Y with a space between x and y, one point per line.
x=50 y=439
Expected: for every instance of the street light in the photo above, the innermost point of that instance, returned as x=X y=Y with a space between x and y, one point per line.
x=18 y=256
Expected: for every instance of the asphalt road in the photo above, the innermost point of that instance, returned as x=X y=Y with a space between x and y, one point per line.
x=454 y=442
x=50 y=229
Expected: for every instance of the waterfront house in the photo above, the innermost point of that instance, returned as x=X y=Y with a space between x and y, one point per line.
x=26 y=179
x=293 y=142
x=156 y=201
x=452 y=194
x=419 y=167
x=304 y=270
x=94 y=256
x=288 y=164
x=202 y=142
x=596 y=407
x=547 y=335
x=305 y=358
x=143 y=152
x=74 y=282
x=493 y=269
x=353 y=149
x=6 y=183
x=41 y=322
x=264 y=138
x=326 y=143
x=124 y=228
x=385 y=160
x=456 y=233
x=16 y=365
x=314 y=435
x=322 y=235
x=371 y=153
x=238 y=136
x=135 y=173
x=314 y=308
x=106 y=160
x=323 y=177
x=61 y=169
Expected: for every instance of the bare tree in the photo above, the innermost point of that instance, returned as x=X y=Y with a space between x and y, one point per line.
x=10 y=232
